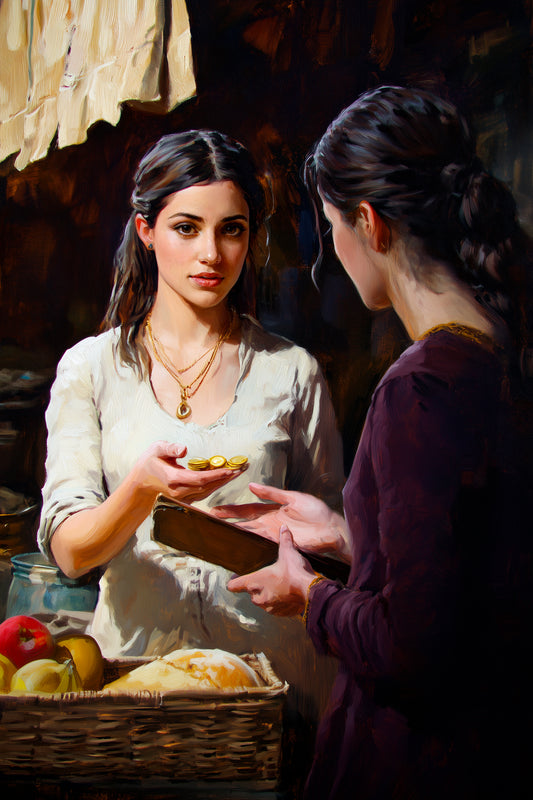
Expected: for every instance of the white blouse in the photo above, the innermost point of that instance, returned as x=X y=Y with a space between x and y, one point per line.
x=102 y=417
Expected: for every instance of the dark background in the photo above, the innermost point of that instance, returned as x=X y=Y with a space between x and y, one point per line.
x=272 y=74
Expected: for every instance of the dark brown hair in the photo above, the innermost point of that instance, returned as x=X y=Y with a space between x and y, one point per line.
x=175 y=162
x=412 y=156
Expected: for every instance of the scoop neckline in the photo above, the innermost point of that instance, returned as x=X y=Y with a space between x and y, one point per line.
x=243 y=351
x=469 y=332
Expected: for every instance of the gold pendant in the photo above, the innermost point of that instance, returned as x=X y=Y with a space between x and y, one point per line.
x=183 y=410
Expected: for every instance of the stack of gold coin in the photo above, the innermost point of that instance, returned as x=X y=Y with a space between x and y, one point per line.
x=198 y=463
x=217 y=462
x=237 y=462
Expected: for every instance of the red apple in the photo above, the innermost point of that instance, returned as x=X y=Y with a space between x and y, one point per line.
x=24 y=639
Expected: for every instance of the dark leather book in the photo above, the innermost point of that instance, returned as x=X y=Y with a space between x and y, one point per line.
x=190 y=530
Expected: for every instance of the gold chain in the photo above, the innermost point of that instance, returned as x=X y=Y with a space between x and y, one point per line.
x=186 y=391
x=189 y=366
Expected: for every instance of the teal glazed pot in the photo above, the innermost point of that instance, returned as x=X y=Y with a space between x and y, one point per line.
x=37 y=586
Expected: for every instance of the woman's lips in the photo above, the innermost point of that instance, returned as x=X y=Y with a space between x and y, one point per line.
x=207 y=279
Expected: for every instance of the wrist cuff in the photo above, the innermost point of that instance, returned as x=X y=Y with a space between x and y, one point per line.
x=315 y=580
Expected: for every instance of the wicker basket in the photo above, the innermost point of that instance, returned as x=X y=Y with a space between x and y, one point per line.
x=207 y=735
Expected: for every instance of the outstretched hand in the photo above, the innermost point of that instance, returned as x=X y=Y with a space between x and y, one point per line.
x=158 y=472
x=93 y=536
x=281 y=589
x=314 y=526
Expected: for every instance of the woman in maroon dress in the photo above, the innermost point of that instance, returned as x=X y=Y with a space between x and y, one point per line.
x=432 y=630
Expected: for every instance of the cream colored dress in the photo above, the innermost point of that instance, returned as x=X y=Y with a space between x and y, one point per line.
x=102 y=417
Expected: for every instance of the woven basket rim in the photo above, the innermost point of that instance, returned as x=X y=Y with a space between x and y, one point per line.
x=142 y=698
x=273 y=688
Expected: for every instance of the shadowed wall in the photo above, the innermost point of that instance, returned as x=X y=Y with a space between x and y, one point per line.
x=272 y=74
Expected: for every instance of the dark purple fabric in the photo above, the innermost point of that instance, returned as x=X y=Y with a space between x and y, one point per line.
x=429 y=629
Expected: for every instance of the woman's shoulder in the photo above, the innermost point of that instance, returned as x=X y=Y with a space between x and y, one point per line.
x=276 y=349
x=92 y=351
x=445 y=362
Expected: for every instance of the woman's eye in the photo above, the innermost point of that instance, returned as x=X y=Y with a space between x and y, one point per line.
x=185 y=228
x=234 y=229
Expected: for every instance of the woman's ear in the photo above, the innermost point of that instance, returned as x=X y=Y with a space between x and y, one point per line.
x=144 y=231
x=373 y=227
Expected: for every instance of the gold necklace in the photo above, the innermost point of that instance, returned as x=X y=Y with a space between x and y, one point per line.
x=189 y=366
x=186 y=391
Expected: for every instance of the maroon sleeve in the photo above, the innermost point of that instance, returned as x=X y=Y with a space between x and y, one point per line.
x=418 y=449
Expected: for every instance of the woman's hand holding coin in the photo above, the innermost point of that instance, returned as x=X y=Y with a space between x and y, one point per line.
x=158 y=472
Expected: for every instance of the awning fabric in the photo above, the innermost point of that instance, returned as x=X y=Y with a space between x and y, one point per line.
x=66 y=64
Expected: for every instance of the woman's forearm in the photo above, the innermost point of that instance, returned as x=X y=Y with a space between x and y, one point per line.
x=92 y=537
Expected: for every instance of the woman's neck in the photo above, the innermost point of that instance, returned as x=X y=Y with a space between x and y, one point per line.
x=181 y=325
x=422 y=306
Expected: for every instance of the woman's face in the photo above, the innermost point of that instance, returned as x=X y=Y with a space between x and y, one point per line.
x=355 y=255
x=200 y=240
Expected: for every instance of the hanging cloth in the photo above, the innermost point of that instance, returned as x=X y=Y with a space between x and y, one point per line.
x=68 y=63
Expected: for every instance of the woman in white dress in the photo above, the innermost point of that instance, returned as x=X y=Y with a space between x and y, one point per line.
x=181 y=372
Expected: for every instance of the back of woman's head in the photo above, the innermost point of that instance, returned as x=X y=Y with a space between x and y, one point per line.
x=177 y=161
x=411 y=155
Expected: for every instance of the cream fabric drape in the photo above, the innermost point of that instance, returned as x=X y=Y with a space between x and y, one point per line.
x=64 y=64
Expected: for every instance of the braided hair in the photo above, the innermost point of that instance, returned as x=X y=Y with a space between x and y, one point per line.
x=411 y=155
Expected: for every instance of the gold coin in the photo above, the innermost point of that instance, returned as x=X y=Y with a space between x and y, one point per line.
x=215 y=462
x=237 y=462
x=198 y=463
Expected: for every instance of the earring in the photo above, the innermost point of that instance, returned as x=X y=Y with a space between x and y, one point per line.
x=383 y=247
x=150 y=246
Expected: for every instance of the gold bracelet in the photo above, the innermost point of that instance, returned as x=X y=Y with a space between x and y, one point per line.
x=315 y=580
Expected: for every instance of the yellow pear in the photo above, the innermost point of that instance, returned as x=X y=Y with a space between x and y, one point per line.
x=46 y=676
x=7 y=670
x=86 y=655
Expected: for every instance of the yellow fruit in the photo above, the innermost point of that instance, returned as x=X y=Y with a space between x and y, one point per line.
x=46 y=676
x=7 y=670
x=86 y=655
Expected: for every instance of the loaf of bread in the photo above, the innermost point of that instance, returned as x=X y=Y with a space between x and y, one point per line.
x=188 y=669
